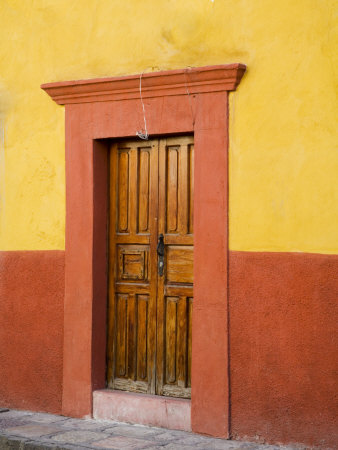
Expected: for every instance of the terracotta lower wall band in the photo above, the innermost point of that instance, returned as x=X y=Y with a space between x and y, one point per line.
x=283 y=315
x=283 y=347
x=31 y=329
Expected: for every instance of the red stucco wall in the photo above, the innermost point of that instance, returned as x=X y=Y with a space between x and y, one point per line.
x=283 y=315
x=283 y=347
x=31 y=329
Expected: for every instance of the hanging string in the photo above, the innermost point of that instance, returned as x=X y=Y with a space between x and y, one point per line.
x=143 y=134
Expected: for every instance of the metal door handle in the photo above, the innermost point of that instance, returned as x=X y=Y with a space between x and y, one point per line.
x=160 y=252
x=160 y=245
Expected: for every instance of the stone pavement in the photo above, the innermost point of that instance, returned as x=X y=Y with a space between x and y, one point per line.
x=22 y=430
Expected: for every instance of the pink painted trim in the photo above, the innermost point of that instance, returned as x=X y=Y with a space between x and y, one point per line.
x=152 y=410
x=90 y=121
x=156 y=84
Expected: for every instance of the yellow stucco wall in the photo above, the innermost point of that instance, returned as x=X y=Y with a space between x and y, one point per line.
x=283 y=152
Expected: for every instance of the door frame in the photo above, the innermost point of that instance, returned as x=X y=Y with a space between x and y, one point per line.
x=176 y=102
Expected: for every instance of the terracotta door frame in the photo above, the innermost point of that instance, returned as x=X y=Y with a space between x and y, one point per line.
x=181 y=101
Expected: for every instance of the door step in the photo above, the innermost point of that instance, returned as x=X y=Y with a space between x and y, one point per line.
x=142 y=409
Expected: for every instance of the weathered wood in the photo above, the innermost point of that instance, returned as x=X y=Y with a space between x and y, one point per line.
x=143 y=191
x=141 y=351
x=191 y=188
x=113 y=175
x=172 y=189
x=123 y=193
x=132 y=274
x=175 y=287
x=121 y=335
x=149 y=320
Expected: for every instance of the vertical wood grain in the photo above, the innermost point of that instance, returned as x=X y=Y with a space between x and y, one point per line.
x=131 y=336
x=181 y=354
x=121 y=335
x=183 y=191
x=133 y=266
x=142 y=335
x=176 y=285
x=161 y=307
x=123 y=191
x=133 y=185
x=151 y=193
x=171 y=333
x=191 y=188
x=172 y=189
x=113 y=202
x=153 y=234
x=143 y=197
x=189 y=341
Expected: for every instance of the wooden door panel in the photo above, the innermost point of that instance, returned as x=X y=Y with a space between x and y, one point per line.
x=172 y=189
x=143 y=191
x=142 y=337
x=135 y=167
x=190 y=170
x=123 y=196
x=149 y=326
x=176 y=380
x=121 y=335
x=175 y=287
x=178 y=193
x=179 y=264
x=132 y=266
x=132 y=342
x=132 y=263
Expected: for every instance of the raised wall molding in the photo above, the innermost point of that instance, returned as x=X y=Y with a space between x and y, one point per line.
x=155 y=84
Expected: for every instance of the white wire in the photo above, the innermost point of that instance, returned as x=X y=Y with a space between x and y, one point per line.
x=143 y=134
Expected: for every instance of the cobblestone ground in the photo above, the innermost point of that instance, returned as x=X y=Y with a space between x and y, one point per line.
x=20 y=430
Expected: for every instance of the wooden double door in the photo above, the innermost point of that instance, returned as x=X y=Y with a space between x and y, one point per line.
x=151 y=266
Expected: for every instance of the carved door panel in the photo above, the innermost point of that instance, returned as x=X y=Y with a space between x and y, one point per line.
x=175 y=287
x=149 y=326
x=133 y=266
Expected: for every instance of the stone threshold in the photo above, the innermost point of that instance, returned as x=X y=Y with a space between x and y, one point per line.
x=142 y=409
